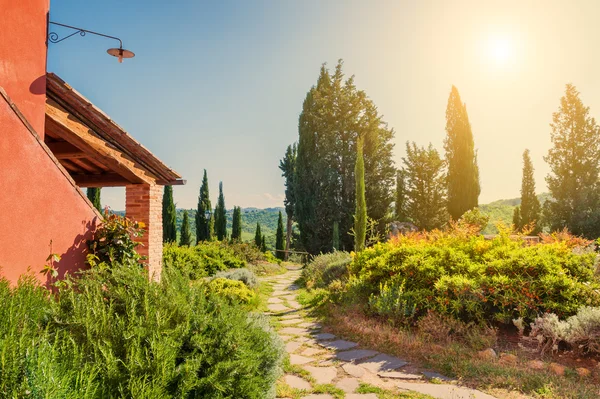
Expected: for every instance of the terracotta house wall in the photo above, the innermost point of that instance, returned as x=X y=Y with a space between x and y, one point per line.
x=23 y=56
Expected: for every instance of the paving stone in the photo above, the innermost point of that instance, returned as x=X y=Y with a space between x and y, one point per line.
x=274 y=300
x=296 y=382
x=277 y=307
x=325 y=363
x=348 y=384
x=294 y=304
x=432 y=374
x=354 y=355
x=324 y=336
x=288 y=322
x=279 y=293
x=293 y=287
x=323 y=375
x=361 y=396
x=398 y=375
x=311 y=325
x=311 y=352
x=318 y=396
x=297 y=359
x=293 y=331
x=292 y=346
x=443 y=391
x=353 y=370
x=383 y=362
x=307 y=340
x=289 y=316
x=339 y=345
x=285 y=338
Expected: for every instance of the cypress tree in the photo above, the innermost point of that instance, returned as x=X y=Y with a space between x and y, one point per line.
x=336 y=235
x=221 y=216
x=169 y=216
x=258 y=236
x=425 y=187
x=288 y=169
x=263 y=243
x=186 y=234
x=530 y=205
x=461 y=158
x=236 y=224
x=517 y=218
x=279 y=245
x=574 y=162
x=400 y=205
x=93 y=194
x=360 y=215
x=204 y=224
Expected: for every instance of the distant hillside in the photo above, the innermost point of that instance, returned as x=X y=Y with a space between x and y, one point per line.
x=502 y=210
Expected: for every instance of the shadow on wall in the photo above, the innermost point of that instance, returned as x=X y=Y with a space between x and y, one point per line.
x=74 y=258
x=38 y=86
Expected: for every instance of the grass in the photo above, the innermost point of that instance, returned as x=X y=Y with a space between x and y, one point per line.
x=386 y=394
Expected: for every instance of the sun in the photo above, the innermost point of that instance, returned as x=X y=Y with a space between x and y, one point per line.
x=500 y=50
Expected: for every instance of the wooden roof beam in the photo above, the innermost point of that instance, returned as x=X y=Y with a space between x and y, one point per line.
x=101 y=180
x=65 y=150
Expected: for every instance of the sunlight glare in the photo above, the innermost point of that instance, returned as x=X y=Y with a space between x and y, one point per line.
x=500 y=50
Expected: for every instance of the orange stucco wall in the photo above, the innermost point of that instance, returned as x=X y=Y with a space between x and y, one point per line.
x=23 y=56
x=41 y=212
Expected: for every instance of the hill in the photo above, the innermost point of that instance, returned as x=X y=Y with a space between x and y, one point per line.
x=502 y=211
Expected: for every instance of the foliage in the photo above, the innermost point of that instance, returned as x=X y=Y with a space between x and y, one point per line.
x=233 y=290
x=461 y=274
x=269 y=257
x=575 y=135
x=204 y=259
x=221 y=216
x=263 y=243
x=169 y=218
x=236 y=226
x=93 y=194
x=400 y=214
x=204 y=224
x=530 y=208
x=474 y=217
x=186 y=235
x=258 y=237
x=336 y=236
x=461 y=158
x=288 y=169
x=334 y=114
x=94 y=339
x=326 y=268
x=425 y=187
x=244 y=275
x=503 y=210
x=114 y=241
x=279 y=245
x=360 y=214
x=246 y=251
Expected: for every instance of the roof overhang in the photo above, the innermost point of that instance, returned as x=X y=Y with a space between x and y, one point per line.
x=92 y=147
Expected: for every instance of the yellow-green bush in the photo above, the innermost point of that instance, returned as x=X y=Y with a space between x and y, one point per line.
x=233 y=290
x=204 y=259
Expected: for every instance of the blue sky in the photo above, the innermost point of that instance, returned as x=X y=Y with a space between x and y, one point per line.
x=219 y=85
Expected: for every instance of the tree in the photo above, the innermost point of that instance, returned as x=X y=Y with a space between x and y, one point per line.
x=517 y=218
x=236 y=224
x=279 y=245
x=288 y=169
x=258 y=236
x=400 y=205
x=461 y=158
x=263 y=243
x=425 y=187
x=169 y=216
x=574 y=168
x=336 y=235
x=204 y=222
x=360 y=215
x=334 y=115
x=93 y=194
x=529 y=211
x=221 y=216
x=186 y=234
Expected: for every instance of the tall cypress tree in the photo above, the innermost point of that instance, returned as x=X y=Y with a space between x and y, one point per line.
x=258 y=236
x=236 y=224
x=263 y=243
x=169 y=216
x=517 y=218
x=574 y=162
x=279 y=245
x=360 y=215
x=221 y=216
x=93 y=194
x=530 y=205
x=336 y=236
x=288 y=169
x=461 y=158
x=425 y=187
x=186 y=234
x=400 y=205
x=204 y=224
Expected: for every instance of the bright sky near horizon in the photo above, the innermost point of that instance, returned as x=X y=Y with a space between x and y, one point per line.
x=219 y=85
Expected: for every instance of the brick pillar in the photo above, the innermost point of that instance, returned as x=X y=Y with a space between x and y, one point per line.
x=144 y=204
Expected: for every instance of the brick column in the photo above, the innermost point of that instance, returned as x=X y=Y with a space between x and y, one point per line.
x=144 y=204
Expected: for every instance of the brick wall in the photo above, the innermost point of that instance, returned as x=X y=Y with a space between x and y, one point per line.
x=144 y=204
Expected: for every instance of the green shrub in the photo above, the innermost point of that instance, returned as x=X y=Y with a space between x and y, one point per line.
x=233 y=290
x=244 y=275
x=111 y=333
x=204 y=259
x=269 y=257
x=326 y=268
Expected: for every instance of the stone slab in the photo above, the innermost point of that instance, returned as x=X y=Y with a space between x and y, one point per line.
x=289 y=316
x=292 y=346
x=288 y=322
x=318 y=396
x=296 y=382
x=274 y=300
x=277 y=307
x=361 y=396
x=444 y=391
x=353 y=370
x=398 y=375
x=279 y=293
x=285 y=338
x=322 y=375
x=297 y=359
x=311 y=325
x=339 y=345
x=293 y=331
x=324 y=336
x=382 y=362
x=432 y=374
x=311 y=352
x=354 y=355
x=294 y=305
x=348 y=384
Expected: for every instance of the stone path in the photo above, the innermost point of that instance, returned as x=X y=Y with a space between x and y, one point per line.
x=329 y=363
